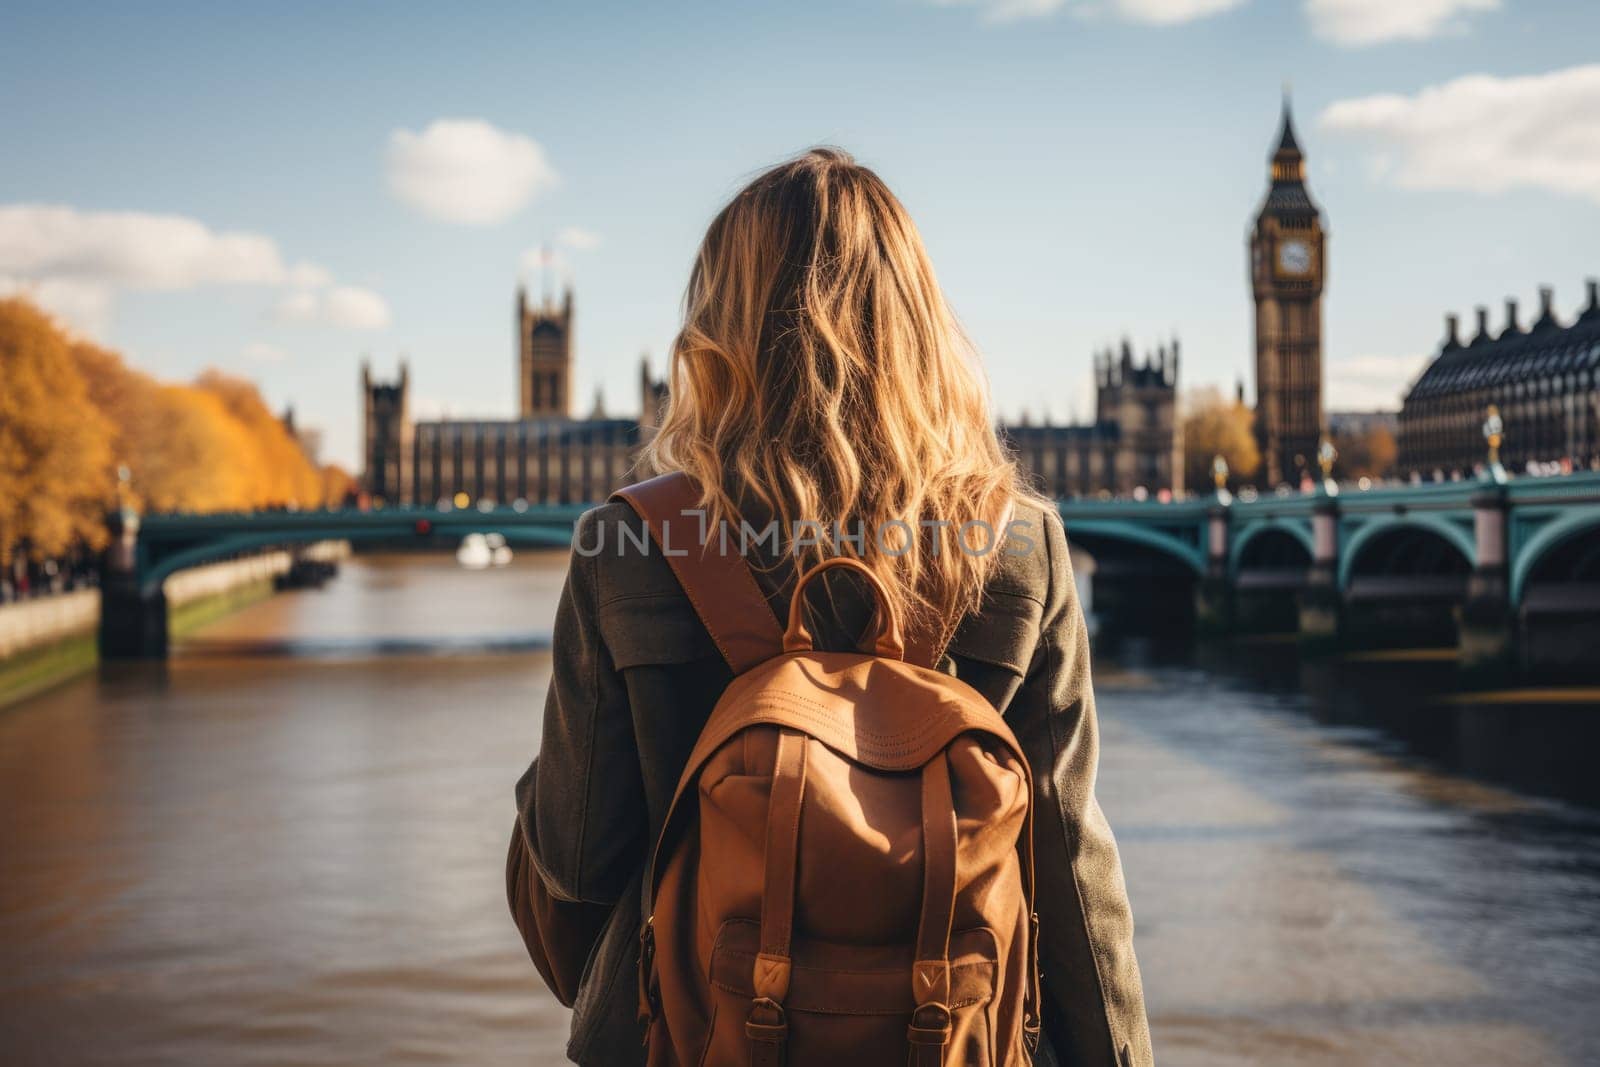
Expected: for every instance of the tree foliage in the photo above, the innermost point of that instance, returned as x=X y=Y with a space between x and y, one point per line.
x=1371 y=453
x=1214 y=426
x=338 y=486
x=55 y=446
x=72 y=412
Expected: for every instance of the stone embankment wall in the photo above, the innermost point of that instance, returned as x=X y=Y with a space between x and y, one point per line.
x=32 y=624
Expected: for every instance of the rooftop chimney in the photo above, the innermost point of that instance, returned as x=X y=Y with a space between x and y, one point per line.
x=1594 y=297
x=1452 y=332
x=1547 y=313
x=1483 y=325
x=1511 y=318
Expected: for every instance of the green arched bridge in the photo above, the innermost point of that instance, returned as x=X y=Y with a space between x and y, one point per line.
x=1501 y=550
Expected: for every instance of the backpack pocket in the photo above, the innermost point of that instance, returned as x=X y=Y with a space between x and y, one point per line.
x=851 y=1004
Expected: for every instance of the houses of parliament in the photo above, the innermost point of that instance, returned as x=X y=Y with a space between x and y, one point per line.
x=543 y=456
x=547 y=456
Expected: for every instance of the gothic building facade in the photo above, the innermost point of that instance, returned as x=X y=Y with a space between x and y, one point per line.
x=1543 y=381
x=544 y=357
x=1288 y=254
x=1132 y=443
x=386 y=453
x=544 y=456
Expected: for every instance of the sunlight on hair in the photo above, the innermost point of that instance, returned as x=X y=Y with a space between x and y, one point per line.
x=820 y=373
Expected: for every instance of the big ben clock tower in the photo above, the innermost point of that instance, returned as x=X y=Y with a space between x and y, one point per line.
x=1287 y=257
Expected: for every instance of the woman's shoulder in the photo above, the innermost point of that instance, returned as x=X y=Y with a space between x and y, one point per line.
x=640 y=608
x=1004 y=631
x=1028 y=552
x=614 y=542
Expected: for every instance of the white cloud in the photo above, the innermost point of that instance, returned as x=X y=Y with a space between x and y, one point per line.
x=467 y=171
x=547 y=257
x=356 y=308
x=1371 y=382
x=1171 y=12
x=578 y=238
x=84 y=306
x=1011 y=10
x=541 y=258
x=308 y=275
x=301 y=306
x=261 y=352
x=1151 y=12
x=347 y=306
x=135 y=250
x=1484 y=133
x=75 y=263
x=1363 y=22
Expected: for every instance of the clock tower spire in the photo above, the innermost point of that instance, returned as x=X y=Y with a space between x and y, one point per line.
x=1287 y=257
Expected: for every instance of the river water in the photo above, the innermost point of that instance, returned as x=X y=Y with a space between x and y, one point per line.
x=286 y=846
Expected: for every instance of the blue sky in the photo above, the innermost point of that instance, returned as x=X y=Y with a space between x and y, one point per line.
x=280 y=189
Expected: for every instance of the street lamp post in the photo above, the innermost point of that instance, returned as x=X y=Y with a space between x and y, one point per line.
x=1321 y=609
x=1219 y=473
x=1327 y=456
x=1213 y=596
x=1487 y=627
x=1494 y=433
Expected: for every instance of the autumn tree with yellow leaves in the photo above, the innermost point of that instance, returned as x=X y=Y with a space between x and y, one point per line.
x=1214 y=426
x=1367 y=453
x=72 y=412
x=55 y=446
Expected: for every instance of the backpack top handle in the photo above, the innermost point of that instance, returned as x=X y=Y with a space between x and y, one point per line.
x=738 y=615
x=890 y=641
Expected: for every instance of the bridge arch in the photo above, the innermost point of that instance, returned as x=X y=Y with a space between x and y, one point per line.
x=1086 y=531
x=1259 y=536
x=1551 y=538
x=1373 y=533
x=524 y=535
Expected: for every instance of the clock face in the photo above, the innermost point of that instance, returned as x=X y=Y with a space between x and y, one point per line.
x=1294 y=257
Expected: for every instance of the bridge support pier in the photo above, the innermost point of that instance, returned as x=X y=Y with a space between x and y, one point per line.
x=1319 y=600
x=1487 y=646
x=133 y=623
x=1213 y=607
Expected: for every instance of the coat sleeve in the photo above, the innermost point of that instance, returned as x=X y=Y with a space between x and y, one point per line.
x=1094 y=1010
x=580 y=807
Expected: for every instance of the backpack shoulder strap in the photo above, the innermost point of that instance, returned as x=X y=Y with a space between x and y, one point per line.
x=714 y=576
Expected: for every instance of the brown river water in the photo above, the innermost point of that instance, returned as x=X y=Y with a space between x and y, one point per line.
x=285 y=847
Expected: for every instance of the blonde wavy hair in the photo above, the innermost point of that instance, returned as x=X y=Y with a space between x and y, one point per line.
x=820 y=372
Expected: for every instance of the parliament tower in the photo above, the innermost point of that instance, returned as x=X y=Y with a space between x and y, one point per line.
x=1287 y=260
x=386 y=435
x=544 y=357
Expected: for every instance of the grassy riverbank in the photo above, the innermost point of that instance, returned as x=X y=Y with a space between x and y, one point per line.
x=28 y=673
x=186 y=619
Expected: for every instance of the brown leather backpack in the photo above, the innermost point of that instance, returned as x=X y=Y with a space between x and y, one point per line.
x=838 y=880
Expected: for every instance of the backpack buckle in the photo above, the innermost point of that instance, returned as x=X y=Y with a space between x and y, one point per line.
x=767 y=1022
x=930 y=1025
